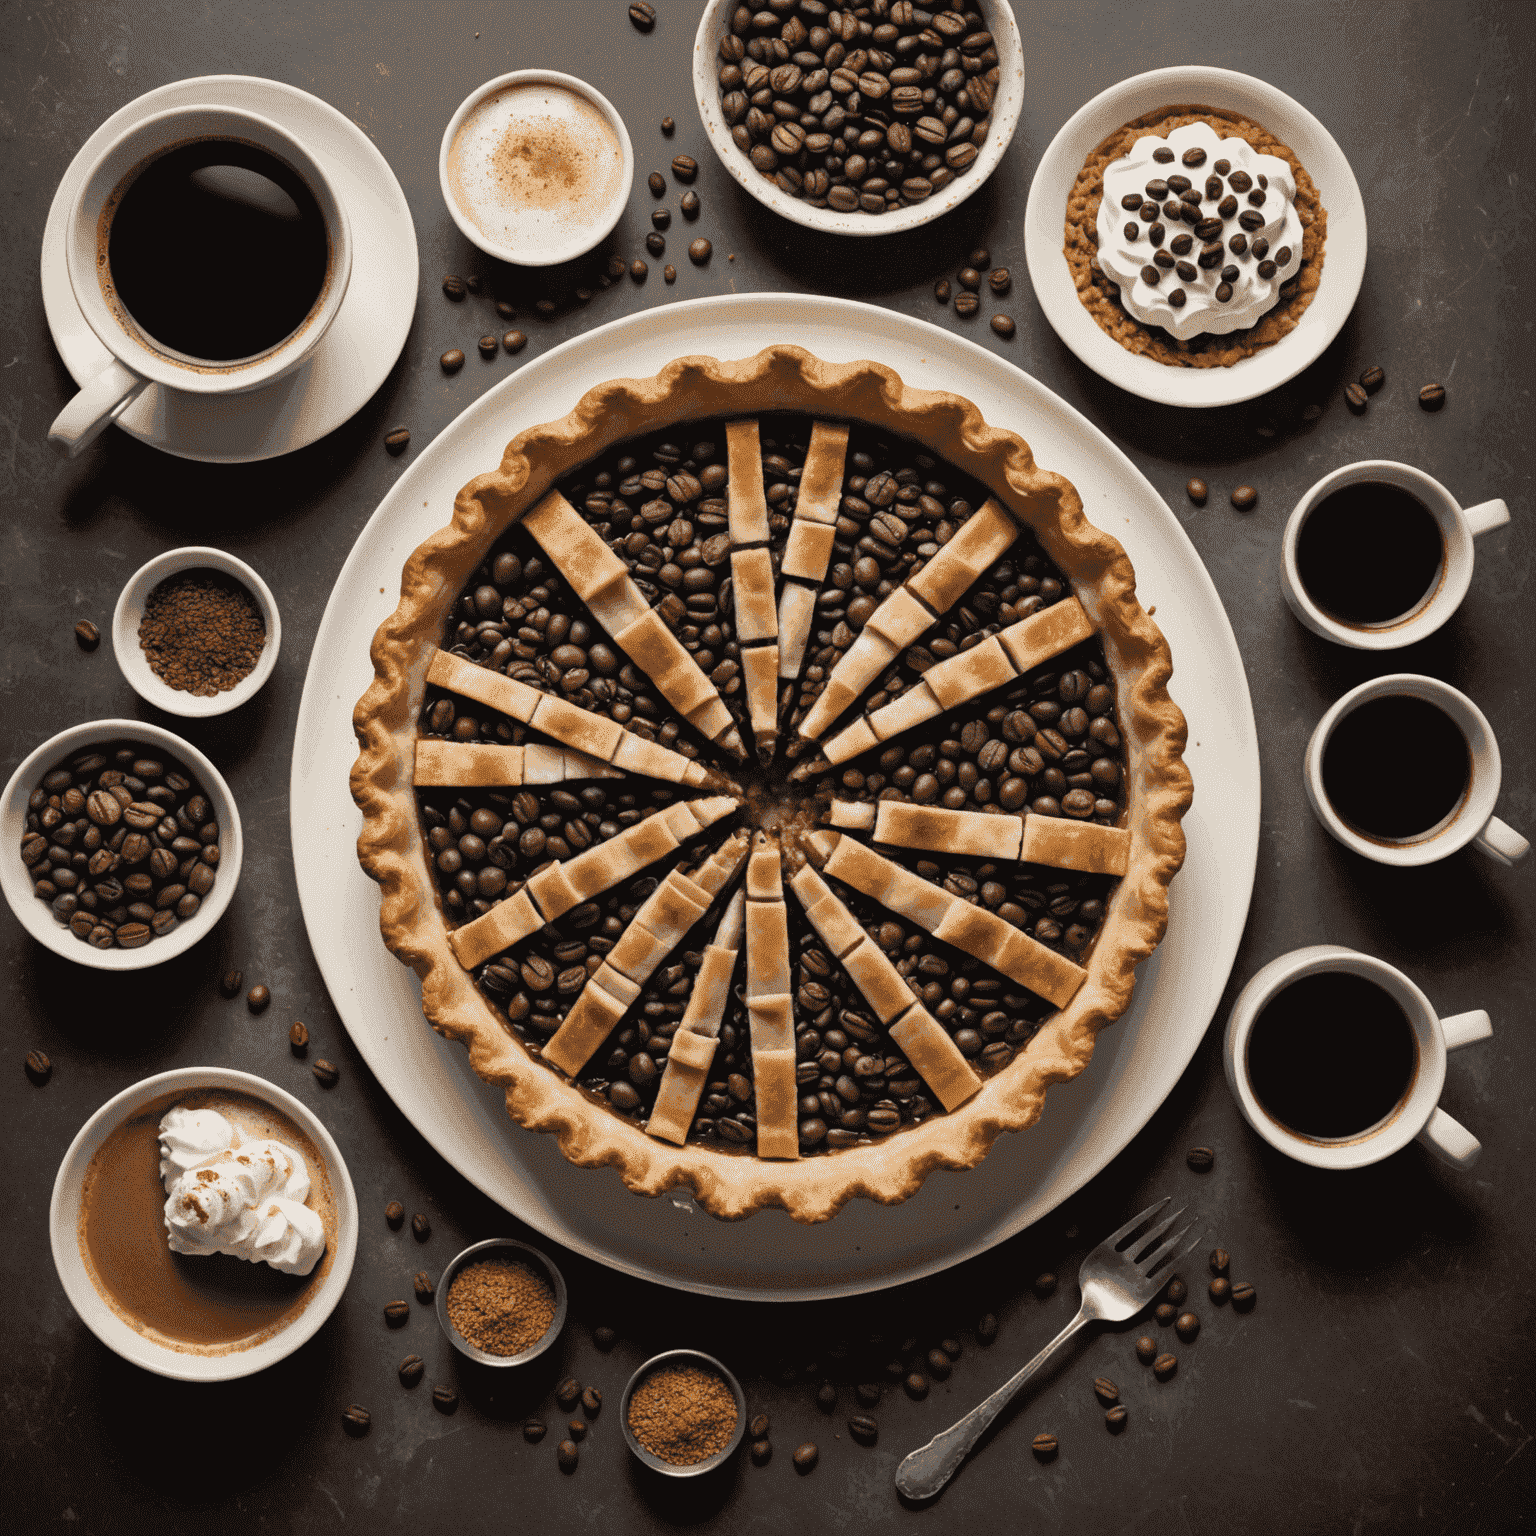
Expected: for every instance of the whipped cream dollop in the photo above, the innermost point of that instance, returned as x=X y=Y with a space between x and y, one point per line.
x=1199 y=231
x=244 y=1199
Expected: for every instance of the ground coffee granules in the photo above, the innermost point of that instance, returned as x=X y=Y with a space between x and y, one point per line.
x=683 y=1414
x=202 y=632
x=500 y=1306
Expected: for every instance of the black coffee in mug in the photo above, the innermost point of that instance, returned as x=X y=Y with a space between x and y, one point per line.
x=217 y=250
x=1369 y=553
x=1396 y=767
x=1331 y=1055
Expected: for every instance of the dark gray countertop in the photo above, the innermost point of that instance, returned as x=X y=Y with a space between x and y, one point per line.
x=1385 y=1380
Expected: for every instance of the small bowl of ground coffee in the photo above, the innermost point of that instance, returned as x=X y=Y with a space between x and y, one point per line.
x=683 y=1413
x=196 y=632
x=501 y=1302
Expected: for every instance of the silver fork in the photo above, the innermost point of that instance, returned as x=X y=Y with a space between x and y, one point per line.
x=1115 y=1285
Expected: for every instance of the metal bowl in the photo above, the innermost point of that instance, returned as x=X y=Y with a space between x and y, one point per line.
x=510 y=1248
x=705 y=1362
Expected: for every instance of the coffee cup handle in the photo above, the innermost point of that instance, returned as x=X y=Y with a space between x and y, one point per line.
x=1486 y=515
x=1450 y=1140
x=95 y=408
x=1500 y=841
x=1466 y=1028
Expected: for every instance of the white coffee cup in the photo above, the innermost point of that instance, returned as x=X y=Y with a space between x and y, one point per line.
x=138 y=360
x=1417 y=1115
x=1458 y=528
x=1471 y=821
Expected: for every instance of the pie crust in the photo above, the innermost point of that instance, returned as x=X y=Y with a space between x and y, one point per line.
x=1148 y=846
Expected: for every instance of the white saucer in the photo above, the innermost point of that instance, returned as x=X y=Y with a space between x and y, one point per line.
x=1293 y=125
x=363 y=341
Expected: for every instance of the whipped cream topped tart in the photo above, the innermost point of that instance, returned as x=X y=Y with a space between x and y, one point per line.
x=771 y=776
x=1195 y=237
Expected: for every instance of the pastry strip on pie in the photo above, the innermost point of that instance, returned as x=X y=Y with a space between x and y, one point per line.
x=693 y=1046
x=657 y=929
x=978 y=542
x=554 y=717
x=973 y=929
x=936 y=1058
x=1030 y=839
x=1001 y=659
x=768 y=1004
x=973 y=833
x=1076 y=845
x=808 y=550
x=465 y=765
x=752 y=581
x=599 y=578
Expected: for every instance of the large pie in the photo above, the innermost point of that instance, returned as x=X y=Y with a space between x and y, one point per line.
x=771 y=776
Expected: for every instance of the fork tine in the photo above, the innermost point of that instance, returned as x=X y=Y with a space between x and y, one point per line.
x=1164 y=1250
x=1149 y=1237
x=1133 y=1223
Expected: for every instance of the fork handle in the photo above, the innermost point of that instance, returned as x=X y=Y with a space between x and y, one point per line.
x=929 y=1467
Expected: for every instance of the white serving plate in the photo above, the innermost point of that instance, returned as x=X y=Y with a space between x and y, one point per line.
x=1086 y=1122
x=1293 y=125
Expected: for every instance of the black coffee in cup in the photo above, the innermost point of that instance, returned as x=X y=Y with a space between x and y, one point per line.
x=1369 y=553
x=1331 y=1055
x=216 y=249
x=1396 y=768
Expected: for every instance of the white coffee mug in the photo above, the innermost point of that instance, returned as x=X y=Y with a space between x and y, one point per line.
x=138 y=360
x=1458 y=527
x=1472 y=820
x=1417 y=1115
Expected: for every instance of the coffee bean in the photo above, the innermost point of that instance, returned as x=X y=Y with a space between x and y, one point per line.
x=1372 y=379
x=1000 y=280
x=1243 y=1296
x=762 y=1452
x=87 y=636
x=566 y=1455
x=1045 y=1285
x=1201 y=1159
x=657 y=183
x=806 y=1456
x=604 y=1338
x=534 y=1430
x=1175 y=1291
x=970 y=278
x=668 y=127
x=1187 y=1326
x=1177 y=298
x=298 y=1038
x=591 y=1402
x=1045 y=1447
x=1164 y=1366
x=1165 y=1312
x=1146 y=1349
x=1197 y=491
x=423 y=1285
x=699 y=251
x=916 y=1384
x=568 y=1393
x=689 y=203
x=38 y=1067
x=396 y=439
x=939 y=1365
x=1115 y=1418
x=231 y=981
x=1003 y=325
x=355 y=1420
x=258 y=998
x=1220 y=1289
x=487 y=346
x=410 y=1370
x=1220 y=1261
x=445 y=1399
x=454 y=287
x=986 y=1329
x=327 y=1074
x=1105 y=1390
x=397 y=1313
x=452 y=360
x=1245 y=498
x=966 y=305
x=1432 y=397
x=1356 y=398
x=505 y=309
x=864 y=1428
x=759 y=1426
x=868 y=1393
x=643 y=15
x=942 y=290
x=514 y=341
x=421 y=1228
x=638 y=270
x=655 y=244
x=684 y=167
x=394 y=1214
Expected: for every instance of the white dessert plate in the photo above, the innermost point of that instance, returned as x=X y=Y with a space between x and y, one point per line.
x=363 y=341
x=1086 y=1121
x=1291 y=123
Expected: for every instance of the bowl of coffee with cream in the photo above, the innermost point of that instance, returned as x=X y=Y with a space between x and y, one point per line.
x=203 y=1224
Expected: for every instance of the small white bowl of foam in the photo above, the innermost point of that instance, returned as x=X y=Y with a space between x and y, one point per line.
x=536 y=167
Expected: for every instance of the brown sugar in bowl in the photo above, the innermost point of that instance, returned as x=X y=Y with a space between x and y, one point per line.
x=506 y=1249
x=683 y=1359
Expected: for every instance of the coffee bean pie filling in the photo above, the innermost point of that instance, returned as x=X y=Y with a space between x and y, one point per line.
x=772 y=777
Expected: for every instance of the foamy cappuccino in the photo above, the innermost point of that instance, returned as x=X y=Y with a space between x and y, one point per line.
x=535 y=167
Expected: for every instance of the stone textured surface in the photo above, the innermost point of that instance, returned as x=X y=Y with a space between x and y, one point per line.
x=1384 y=1379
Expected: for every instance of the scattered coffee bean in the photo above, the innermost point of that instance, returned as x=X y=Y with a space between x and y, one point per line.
x=806 y=1456
x=684 y=167
x=868 y=1393
x=396 y=1313
x=421 y=1228
x=1115 y=1419
x=970 y=278
x=327 y=1074
x=1045 y=1447
x=951 y=1347
x=591 y=1402
x=916 y=1384
x=1220 y=1289
x=1164 y=1366
x=758 y=1426
x=979 y=258
x=87 y=636
x=864 y=1428
x=986 y=1329
x=668 y=127
x=669 y=273
x=410 y=1370
x=1146 y=1349
x=298 y=1038
x=424 y=1286
x=1372 y=379
x=258 y=998
x=505 y=309
x=826 y=1397
x=231 y=982
x=1045 y=1285
x=699 y=251
x=966 y=305
x=1105 y=1390
x=1187 y=1326
x=397 y=440
x=689 y=203
x=568 y=1393
x=1201 y=1159
x=939 y=1365
x=1243 y=1296
x=534 y=1430
x=657 y=183
x=638 y=270
x=762 y=1452
x=1311 y=411
x=1003 y=325
x=487 y=346
x=567 y=1455
x=454 y=287
x=1197 y=490
x=1000 y=280
x=577 y=1430
x=1432 y=397
x=445 y=1398
x=655 y=244
x=604 y=1338
x=643 y=15
x=452 y=360
x=1175 y=1291
x=355 y=1420
x=1356 y=398
x=38 y=1067
x=514 y=341
x=394 y=1214
x=661 y=218
x=1165 y=1312
x=1220 y=1261
x=942 y=290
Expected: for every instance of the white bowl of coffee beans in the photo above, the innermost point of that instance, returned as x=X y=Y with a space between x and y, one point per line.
x=859 y=124
x=120 y=844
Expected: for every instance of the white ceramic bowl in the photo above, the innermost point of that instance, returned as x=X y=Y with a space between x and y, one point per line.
x=129 y=612
x=1006 y=107
x=1293 y=125
x=64 y=1229
x=36 y=916
x=543 y=253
